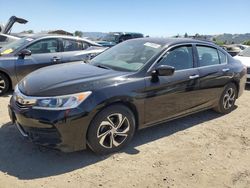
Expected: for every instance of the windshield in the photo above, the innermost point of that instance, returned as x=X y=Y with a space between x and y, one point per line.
x=127 y=56
x=112 y=37
x=245 y=53
x=14 y=45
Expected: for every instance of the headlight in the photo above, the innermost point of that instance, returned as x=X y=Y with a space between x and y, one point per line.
x=61 y=102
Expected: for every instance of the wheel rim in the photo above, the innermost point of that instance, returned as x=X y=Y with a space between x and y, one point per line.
x=2 y=84
x=229 y=98
x=113 y=130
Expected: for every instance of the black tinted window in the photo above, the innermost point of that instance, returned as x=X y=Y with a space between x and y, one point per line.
x=179 y=57
x=44 y=46
x=207 y=56
x=72 y=45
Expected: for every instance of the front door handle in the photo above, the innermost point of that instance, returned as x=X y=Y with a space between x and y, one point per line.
x=55 y=59
x=194 y=76
x=225 y=70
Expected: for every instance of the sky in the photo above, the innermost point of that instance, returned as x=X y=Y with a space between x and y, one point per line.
x=151 y=17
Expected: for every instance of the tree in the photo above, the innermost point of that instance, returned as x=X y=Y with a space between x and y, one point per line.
x=186 y=35
x=197 y=35
x=28 y=31
x=247 y=42
x=219 y=43
x=78 y=33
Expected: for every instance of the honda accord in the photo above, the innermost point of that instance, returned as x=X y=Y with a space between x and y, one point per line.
x=134 y=85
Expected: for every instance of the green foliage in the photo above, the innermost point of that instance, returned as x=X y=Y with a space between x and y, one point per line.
x=220 y=43
x=78 y=33
x=247 y=42
x=28 y=31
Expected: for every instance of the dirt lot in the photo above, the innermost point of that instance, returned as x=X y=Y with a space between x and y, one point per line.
x=202 y=150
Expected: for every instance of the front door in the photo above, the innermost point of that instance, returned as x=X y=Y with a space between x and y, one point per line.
x=174 y=95
x=43 y=53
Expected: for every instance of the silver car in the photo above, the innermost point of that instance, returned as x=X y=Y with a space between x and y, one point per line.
x=25 y=55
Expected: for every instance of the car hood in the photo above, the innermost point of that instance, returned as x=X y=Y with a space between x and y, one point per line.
x=66 y=79
x=244 y=60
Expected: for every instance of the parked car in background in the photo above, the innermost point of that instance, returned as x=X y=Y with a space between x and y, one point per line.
x=6 y=39
x=232 y=49
x=6 y=29
x=244 y=57
x=241 y=46
x=114 y=38
x=23 y=56
x=133 y=85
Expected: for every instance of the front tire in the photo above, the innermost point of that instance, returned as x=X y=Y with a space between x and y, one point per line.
x=4 y=84
x=227 y=100
x=111 y=129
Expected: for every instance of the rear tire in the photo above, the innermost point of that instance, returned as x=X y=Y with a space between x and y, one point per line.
x=4 y=84
x=111 y=129
x=227 y=100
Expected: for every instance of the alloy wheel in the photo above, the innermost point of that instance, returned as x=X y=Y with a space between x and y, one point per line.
x=229 y=98
x=2 y=84
x=113 y=130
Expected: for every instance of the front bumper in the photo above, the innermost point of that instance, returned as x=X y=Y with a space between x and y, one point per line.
x=63 y=130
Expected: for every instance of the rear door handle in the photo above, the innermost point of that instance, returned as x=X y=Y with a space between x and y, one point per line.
x=55 y=59
x=194 y=76
x=225 y=70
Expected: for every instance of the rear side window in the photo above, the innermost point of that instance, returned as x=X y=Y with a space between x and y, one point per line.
x=72 y=45
x=223 y=57
x=85 y=45
x=207 y=56
x=180 y=57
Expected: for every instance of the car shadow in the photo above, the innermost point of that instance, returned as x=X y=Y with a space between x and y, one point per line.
x=9 y=93
x=247 y=87
x=24 y=160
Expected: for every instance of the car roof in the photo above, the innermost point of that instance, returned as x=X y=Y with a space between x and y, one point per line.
x=173 y=41
x=44 y=36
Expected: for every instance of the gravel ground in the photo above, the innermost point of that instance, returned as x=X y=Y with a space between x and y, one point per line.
x=201 y=150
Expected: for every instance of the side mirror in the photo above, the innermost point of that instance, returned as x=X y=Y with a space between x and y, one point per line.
x=163 y=70
x=24 y=53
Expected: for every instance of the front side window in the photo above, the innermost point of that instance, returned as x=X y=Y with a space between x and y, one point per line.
x=72 y=45
x=207 y=56
x=44 y=46
x=180 y=58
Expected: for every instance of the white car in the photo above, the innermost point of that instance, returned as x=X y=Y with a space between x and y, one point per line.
x=244 y=57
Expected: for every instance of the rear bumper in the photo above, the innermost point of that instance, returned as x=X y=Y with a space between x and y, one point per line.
x=52 y=129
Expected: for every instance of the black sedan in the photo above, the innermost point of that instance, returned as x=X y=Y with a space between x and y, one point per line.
x=134 y=85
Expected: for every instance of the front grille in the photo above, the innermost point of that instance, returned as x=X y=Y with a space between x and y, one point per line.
x=248 y=70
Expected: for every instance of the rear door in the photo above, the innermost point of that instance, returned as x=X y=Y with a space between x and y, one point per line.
x=44 y=52
x=174 y=95
x=73 y=50
x=214 y=73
